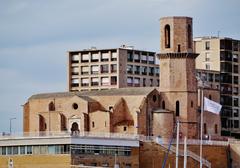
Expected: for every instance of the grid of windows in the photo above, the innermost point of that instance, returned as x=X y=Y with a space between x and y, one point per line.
x=35 y=150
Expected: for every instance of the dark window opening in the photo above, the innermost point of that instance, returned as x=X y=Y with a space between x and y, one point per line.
x=93 y=124
x=189 y=36
x=167 y=36
x=163 y=104
x=63 y=122
x=177 y=108
x=154 y=98
x=210 y=97
x=124 y=128
x=179 y=48
x=192 y=104
x=205 y=128
x=75 y=106
x=51 y=106
x=216 y=128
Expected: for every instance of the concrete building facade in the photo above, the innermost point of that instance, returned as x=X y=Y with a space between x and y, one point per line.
x=222 y=55
x=111 y=68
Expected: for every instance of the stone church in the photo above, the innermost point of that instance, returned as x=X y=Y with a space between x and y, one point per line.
x=136 y=110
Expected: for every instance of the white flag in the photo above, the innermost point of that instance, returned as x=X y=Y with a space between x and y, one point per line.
x=212 y=106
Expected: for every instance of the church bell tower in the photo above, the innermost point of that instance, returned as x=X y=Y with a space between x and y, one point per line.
x=178 y=85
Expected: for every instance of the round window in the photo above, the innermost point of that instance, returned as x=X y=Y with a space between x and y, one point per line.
x=75 y=106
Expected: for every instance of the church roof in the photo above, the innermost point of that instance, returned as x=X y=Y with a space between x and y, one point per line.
x=85 y=94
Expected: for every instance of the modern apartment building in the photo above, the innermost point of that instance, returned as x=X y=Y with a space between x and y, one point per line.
x=94 y=69
x=222 y=55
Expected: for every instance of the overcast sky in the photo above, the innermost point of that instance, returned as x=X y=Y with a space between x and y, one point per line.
x=35 y=35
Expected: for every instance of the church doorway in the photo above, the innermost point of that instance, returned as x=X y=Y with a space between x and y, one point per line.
x=75 y=128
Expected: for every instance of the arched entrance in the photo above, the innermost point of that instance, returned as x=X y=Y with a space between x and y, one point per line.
x=75 y=128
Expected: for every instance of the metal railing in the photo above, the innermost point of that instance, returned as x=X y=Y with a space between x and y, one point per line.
x=181 y=152
x=70 y=134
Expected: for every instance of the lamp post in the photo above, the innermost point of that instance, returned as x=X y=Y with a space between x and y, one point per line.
x=10 y=121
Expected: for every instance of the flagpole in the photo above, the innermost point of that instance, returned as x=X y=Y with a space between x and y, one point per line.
x=201 y=132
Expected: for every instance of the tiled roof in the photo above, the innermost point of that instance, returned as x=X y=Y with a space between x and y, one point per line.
x=85 y=94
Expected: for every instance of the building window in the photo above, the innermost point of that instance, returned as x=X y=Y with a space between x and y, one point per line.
x=130 y=56
x=95 y=57
x=177 y=108
x=75 y=106
x=163 y=104
x=42 y=123
x=113 y=80
x=93 y=124
x=84 y=70
x=205 y=128
x=104 y=68
x=129 y=81
x=63 y=121
x=235 y=113
x=207 y=57
x=85 y=57
x=136 y=57
x=207 y=45
x=151 y=82
x=179 y=48
x=144 y=58
x=94 y=81
x=144 y=70
x=114 y=68
x=191 y=103
x=151 y=71
x=207 y=66
x=114 y=56
x=75 y=70
x=144 y=82
x=167 y=36
x=154 y=98
x=129 y=69
x=210 y=97
x=124 y=128
x=75 y=58
x=151 y=59
x=94 y=69
x=136 y=82
x=236 y=123
x=189 y=36
x=75 y=82
x=105 y=81
x=51 y=106
x=105 y=57
x=84 y=82
x=216 y=128
x=136 y=69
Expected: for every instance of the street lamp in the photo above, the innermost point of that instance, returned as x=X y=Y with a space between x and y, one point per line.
x=10 y=121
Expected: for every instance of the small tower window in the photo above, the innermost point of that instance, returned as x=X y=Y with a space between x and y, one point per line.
x=51 y=106
x=177 y=108
x=124 y=128
x=154 y=98
x=189 y=36
x=216 y=129
x=93 y=124
x=167 y=36
x=210 y=97
x=163 y=104
x=179 y=48
x=192 y=104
